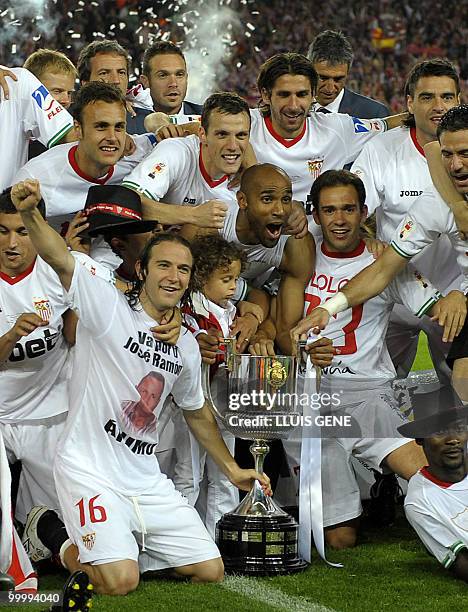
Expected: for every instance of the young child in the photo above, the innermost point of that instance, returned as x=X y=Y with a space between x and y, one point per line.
x=211 y=317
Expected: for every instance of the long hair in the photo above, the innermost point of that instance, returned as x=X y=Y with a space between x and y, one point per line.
x=134 y=292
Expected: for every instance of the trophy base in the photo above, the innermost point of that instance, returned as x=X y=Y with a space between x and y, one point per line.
x=259 y=545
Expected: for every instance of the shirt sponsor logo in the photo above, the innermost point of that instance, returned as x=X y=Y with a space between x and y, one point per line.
x=34 y=348
x=159 y=168
x=315 y=167
x=190 y=201
x=89 y=539
x=363 y=125
x=406 y=229
x=412 y=193
x=46 y=102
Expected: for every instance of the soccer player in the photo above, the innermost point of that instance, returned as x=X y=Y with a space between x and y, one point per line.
x=437 y=497
x=426 y=220
x=29 y=112
x=394 y=170
x=360 y=365
x=108 y=481
x=304 y=144
x=332 y=55
x=184 y=173
x=165 y=78
x=108 y=62
x=55 y=71
x=33 y=354
x=67 y=172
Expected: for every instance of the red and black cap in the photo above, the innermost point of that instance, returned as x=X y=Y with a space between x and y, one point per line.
x=112 y=207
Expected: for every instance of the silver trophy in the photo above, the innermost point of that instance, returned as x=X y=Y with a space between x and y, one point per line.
x=255 y=398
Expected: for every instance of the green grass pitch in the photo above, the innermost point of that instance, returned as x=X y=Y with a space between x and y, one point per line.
x=388 y=570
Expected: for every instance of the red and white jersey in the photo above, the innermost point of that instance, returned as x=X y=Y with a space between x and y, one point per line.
x=33 y=380
x=327 y=141
x=64 y=186
x=358 y=334
x=108 y=435
x=30 y=112
x=438 y=512
x=425 y=221
x=395 y=173
x=174 y=173
x=205 y=314
x=260 y=259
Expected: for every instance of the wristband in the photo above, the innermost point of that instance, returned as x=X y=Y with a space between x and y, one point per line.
x=336 y=304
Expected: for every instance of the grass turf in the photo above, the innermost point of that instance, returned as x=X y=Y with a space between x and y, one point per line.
x=389 y=570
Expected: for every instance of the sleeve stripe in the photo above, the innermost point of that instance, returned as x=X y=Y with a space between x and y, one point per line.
x=400 y=251
x=427 y=305
x=452 y=553
x=59 y=135
x=140 y=189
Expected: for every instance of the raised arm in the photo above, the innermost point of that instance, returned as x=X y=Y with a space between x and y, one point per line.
x=49 y=245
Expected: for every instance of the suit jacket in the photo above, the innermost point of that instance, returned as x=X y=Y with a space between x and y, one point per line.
x=361 y=106
x=135 y=125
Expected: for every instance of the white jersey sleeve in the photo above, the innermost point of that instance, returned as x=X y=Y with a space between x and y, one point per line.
x=43 y=117
x=187 y=390
x=413 y=290
x=368 y=167
x=94 y=300
x=156 y=173
x=357 y=132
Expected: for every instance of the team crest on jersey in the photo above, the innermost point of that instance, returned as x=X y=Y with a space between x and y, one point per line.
x=43 y=308
x=406 y=229
x=157 y=169
x=89 y=539
x=315 y=167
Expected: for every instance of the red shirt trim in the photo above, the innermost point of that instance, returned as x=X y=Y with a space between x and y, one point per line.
x=441 y=483
x=80 y=173
x=17 y=279
x=359 y=250
x=211 y=182
x=415 y=141
x=286 y=142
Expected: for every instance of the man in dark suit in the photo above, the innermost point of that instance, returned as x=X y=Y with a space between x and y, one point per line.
x=165 y=75
x=332 y=55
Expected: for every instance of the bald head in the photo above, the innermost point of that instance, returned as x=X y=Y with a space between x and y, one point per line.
x=265 y=200
x=261 y=174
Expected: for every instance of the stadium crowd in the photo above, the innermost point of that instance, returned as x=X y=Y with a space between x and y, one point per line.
x=140 y=230
x=388 y=36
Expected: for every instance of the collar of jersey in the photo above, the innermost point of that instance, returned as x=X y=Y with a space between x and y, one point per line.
x=17 y=279
x=337 y=255
x=415 y=141
x=441 y=483
x=286 y=142
x=80 y=173
x=211 y=182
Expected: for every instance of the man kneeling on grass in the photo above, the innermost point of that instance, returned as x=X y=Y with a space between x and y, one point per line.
x=122 y=515
x=437 y=501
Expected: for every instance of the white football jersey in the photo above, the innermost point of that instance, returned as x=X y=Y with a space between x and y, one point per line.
x=64 y=186
x=328 y=141
x=107 y=434
x=425 y=221
x=260 y=259
x=395 y=173
x=438 y=512
x=30 y=112
x=174 y=173
x=358 y=334
x=33 y=380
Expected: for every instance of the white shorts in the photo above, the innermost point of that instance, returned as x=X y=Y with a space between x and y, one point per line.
x=377 y=418
x=158 y=528
x=34 y=444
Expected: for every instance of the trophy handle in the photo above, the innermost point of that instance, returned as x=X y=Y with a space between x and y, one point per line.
x=230 y=352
